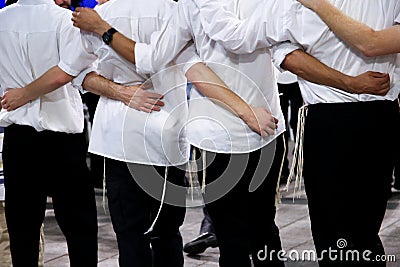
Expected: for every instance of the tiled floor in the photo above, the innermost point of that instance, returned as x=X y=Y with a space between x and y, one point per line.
x=292 y=219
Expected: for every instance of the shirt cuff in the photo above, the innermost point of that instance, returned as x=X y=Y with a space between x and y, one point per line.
x=77 y=82
x=143 y=60
x=67 y=69
x=280 y=51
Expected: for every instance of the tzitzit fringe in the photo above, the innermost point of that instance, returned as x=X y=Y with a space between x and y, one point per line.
x=204 y=159
x=278 y=196
x=297 y=163
x=161 y=204
x=192 y=170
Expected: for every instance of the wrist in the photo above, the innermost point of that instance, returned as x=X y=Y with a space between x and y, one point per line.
x=349 y=84
x=28 y=95
x=117 y=91
x=101 y=28
x=246 y=113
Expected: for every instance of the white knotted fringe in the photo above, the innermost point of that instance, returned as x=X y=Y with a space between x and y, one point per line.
x=204 y=159
x=298 y=160
x=161 y=204
x=278 y=197
x=192 y=169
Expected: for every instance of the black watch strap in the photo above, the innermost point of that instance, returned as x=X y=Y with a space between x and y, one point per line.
x=108 y=35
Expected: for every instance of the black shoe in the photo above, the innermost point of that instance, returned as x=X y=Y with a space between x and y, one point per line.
x=200 y=244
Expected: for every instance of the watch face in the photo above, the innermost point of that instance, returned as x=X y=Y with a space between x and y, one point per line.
x=106 y=38
x=108 y=35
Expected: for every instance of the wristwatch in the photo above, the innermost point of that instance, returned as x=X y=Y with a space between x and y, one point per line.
x=108 y=35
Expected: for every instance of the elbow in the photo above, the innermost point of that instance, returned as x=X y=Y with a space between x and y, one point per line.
x=63 y=78
x=370 y=48
x=195 y=73
x=291 y=62
x=370 y=51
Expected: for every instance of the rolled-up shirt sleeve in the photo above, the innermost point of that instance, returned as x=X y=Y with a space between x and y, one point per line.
x=268 y=26
x=281 y=50
x=87 y=39
x=74 y=57
x=165 y=44
x=77 y=82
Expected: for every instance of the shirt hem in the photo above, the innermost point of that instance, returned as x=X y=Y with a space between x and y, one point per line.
x=138 y=161
x=245 y=151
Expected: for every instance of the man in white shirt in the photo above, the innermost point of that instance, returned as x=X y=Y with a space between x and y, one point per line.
x=116 y=138
x=108 y=140
x=230 y=137
x=334 y=178
x=140 y=146
x=43 y=146
x=220 y=133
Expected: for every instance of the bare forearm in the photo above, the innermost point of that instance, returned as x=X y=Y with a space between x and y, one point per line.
x=310 y=69
x=120 y=43
x=357 y=34
x=87 y=19
x=101 y=86
x=210 y=85
x=133 y=96
x=48 y=82
x=259 y=119
x=124 y=46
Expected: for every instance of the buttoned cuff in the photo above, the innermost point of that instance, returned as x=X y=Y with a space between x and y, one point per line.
x=280 y=51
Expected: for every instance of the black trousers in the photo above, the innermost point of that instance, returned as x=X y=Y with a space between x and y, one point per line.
x=96 y=169
x=349 y=154
x=397 y=165
x=133 y=210
x=397 y=174
x=240 y=228
x=206 y=223
x=291 y=97
x=41 y=164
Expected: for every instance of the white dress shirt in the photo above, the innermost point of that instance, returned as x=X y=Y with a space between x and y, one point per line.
x=212 y=127
x=288 y=20
x=126 y=134
x=286 y=77
x=36 y=35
